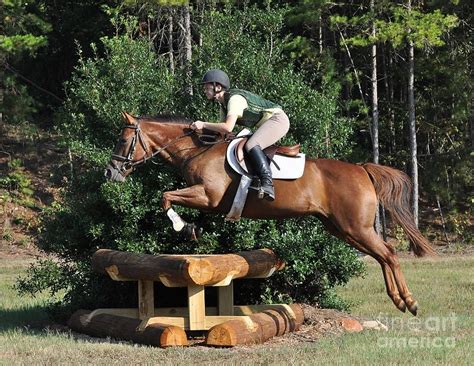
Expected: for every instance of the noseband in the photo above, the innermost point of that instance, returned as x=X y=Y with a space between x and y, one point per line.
x=128 y=161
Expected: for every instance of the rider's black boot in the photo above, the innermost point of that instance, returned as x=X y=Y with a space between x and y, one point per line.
x=262 y=170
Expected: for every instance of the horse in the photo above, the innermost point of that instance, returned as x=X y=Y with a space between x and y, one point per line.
x=344 y=196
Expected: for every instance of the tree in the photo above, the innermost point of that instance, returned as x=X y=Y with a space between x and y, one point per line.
x=399 y=26
x=23 y=31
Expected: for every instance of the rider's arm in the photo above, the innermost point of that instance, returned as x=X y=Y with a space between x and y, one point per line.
x=223 y=127
x=235 y=109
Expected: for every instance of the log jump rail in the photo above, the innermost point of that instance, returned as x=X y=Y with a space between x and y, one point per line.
x=228 y=325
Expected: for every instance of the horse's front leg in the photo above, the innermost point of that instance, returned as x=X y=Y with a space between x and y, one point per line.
x=193 y=197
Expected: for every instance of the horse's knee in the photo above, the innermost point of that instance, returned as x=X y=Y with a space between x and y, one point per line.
x=165 y=202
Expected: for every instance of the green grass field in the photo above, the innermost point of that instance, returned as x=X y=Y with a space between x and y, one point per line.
x=443 y=332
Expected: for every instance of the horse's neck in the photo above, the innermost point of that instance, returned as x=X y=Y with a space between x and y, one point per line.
x=171 y=142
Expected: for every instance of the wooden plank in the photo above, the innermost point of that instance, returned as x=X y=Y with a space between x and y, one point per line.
x=197 y=307
x=178 y=321
x=183 y=321
x=254 y=309
x=226 y=299
x=238 y=310
x=212 y=321
x=146 y=300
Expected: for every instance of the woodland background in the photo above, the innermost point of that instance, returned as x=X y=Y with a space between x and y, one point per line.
x=383 y=81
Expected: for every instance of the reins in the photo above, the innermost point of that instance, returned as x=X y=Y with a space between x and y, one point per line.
x=128 y=160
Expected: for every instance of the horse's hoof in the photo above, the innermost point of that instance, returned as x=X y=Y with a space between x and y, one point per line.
x=192 y=232
x=413 y=308
x=401 y=306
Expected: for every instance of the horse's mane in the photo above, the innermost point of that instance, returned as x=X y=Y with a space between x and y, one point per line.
x=167 y=118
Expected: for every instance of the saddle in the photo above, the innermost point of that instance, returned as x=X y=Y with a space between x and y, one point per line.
x=286 y=162
x=270 y=152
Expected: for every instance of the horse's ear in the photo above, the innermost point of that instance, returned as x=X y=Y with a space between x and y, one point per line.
x=129 y=119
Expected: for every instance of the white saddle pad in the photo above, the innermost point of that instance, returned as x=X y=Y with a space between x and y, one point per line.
x=286 y=167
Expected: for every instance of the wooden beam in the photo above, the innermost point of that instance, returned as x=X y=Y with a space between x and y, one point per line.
x=178 y=321
x=119 y=327
x=181 y=270
x=170 y=312
x=256 y=328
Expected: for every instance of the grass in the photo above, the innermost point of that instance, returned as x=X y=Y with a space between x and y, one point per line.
x=443 y=333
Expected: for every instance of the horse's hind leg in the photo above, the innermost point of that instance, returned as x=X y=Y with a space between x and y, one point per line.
x=390 y=284
x=386 y=256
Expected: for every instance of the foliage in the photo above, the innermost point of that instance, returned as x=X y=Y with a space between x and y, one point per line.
x=22 y=29
x=17 y=184
x=19 y=106
x=313 y=114
x=399 y=26
x=97 y=214
x=23 y=33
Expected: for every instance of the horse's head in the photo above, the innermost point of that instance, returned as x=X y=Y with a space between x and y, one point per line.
x=131 y=150
x=144 y=137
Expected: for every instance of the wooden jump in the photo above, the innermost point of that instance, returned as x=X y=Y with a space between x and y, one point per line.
x=229 y=325
x=182 y=270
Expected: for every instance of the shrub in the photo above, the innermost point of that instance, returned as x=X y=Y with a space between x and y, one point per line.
x=98 y=214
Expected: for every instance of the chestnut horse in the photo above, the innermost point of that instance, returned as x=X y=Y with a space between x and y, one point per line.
x=343 y=196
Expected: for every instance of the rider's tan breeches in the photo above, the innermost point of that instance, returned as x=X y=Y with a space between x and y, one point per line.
x=270 y=131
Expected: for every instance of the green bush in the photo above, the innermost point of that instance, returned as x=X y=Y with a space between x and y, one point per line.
x=98 y=214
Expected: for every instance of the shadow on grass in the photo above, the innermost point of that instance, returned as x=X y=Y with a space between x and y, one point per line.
x=29 y=317
x=34 y=321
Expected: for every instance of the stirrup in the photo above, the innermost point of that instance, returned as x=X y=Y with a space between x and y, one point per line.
x=267 y=192
x=255 y=184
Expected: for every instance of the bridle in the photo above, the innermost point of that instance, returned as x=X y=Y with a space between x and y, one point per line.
x=127 y=161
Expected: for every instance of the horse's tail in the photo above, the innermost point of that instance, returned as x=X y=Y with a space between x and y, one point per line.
x=393 y=188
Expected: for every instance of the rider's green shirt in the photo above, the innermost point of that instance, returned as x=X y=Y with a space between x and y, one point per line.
x=250 y=108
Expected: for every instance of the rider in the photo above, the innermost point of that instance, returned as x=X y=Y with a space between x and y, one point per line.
x=246 y=109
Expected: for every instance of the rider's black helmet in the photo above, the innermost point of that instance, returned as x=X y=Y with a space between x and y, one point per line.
x=216 y=76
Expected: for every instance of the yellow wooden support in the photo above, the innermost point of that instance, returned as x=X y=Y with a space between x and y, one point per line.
x=197 y=307
x=146 y=301
x=226 y=299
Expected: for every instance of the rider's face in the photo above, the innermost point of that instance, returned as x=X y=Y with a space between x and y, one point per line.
x=210 y=92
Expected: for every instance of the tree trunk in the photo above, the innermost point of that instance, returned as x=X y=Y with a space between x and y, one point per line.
x=187 y=49
x=375 y=112
x=391 y=101
x=412 y=124
x=170 y=42
x=320 y=34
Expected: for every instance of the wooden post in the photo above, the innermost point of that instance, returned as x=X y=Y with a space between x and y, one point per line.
x=146 y=300
x=226 y=299
x=197 y=307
